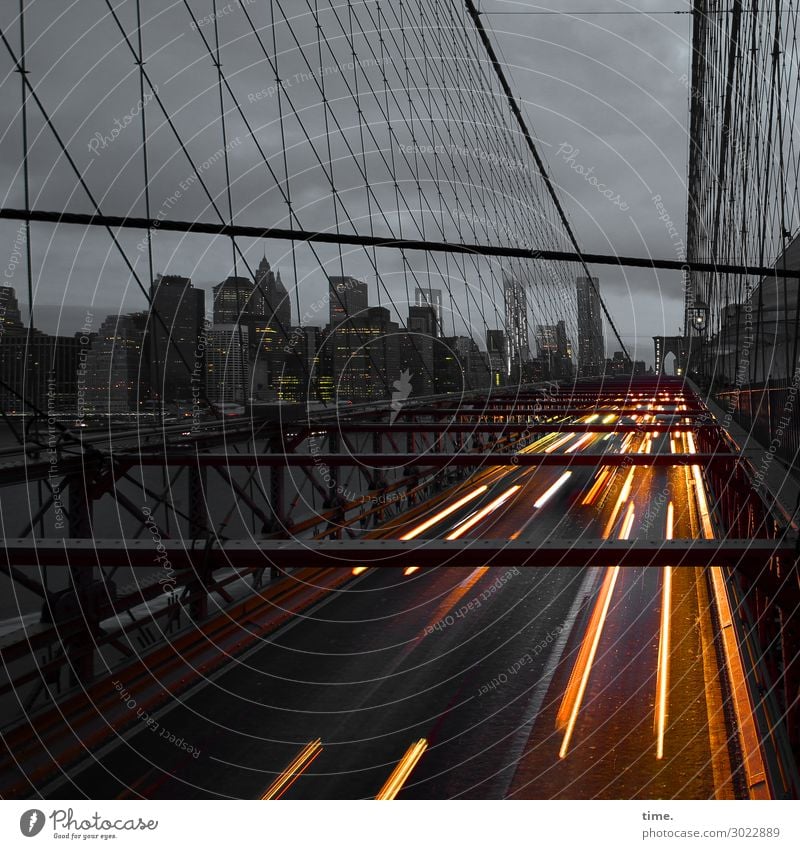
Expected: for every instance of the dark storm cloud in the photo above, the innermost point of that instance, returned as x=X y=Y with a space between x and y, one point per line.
x=604 y=97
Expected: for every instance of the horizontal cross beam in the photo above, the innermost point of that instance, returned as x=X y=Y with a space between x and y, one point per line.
x=464 y=458
x=396 y=553
x=543 y=410
x=502 y=427
x=333 y=238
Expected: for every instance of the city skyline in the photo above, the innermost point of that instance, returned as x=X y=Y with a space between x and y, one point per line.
x=246 y=349
x=399 y=401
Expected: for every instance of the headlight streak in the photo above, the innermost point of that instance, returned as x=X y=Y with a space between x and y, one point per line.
x=586 y=438
x=558 y=443
x=482 y=513
x=540 y=502
x=549 y=493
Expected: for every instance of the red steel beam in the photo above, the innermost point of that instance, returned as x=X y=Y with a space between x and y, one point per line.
x=465 y=458
x=503 y=427
x=542 y=410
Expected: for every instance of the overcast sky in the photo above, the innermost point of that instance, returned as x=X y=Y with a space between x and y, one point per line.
x=606 y=97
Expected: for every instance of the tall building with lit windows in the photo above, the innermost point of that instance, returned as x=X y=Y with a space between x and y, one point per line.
x=516 y=312
x=497 y=356
x=227 y=363
x=117 y=369
x=591 y=345
x=348 y=299
x=238 y=300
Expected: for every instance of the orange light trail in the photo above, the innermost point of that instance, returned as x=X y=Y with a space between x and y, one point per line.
x=296 y=768
x=587 y=437
x=576 y=688
x=429 y=523
x=755 y=770
x=357 y=570
x=409 y=570
x=623 y=497
x=394 y=784
x=482 y=513
x=700 y=491
x=598 y=485
x=628 y=523
x=662 y=681
x=558 y=443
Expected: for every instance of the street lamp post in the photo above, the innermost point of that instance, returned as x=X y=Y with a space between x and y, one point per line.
x=698 y=325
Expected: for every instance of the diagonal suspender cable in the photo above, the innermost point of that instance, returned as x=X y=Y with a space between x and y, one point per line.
x=476 y=17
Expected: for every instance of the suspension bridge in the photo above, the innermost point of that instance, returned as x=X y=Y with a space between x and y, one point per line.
x=500 y=576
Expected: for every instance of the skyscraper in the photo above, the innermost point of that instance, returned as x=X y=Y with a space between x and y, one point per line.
x=348 y=299
x=431 y=298
x=38 y=369
x=10 y=315
x=516 y=309
x=498 y=359
x=176 y=358
x=417 y=348
x=298 y=380
x=117 y=370
x=227 y=363
x=238 y=299
x=546 y=341
x=591 y=345
x=278 y=309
